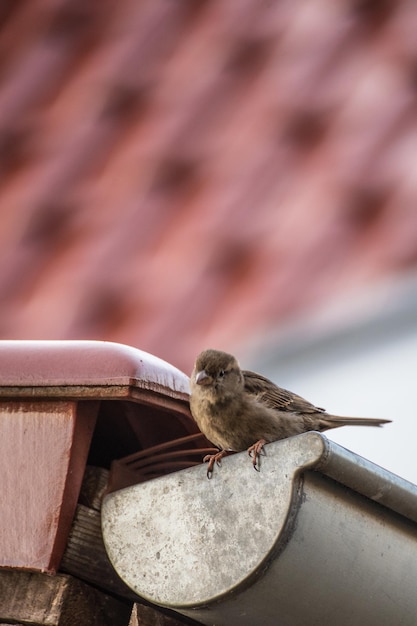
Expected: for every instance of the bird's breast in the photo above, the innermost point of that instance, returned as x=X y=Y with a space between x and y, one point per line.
x=217 y=418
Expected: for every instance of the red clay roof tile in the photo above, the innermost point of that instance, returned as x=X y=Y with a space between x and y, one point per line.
x=181 y=174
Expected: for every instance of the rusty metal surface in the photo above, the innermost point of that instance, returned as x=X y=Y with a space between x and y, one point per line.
x=86 y=369
x=287 y=545
x=158 y=460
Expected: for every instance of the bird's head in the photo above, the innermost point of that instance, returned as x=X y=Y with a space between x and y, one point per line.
x=217 y=372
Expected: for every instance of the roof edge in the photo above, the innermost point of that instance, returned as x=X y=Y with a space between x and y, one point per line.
x=83 y=365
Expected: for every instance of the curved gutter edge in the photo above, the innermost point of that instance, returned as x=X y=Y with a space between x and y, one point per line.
x=367 y=478
x=185 y=528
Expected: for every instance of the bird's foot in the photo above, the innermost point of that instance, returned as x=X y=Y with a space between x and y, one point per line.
x=255 y=452
x=211 y=459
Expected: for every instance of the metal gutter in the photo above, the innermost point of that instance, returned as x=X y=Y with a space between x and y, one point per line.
x=318 y=536
x=368 y=479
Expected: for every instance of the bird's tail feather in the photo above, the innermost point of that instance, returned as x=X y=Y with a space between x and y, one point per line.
x=334 y=421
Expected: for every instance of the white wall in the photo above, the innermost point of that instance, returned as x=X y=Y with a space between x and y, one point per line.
x=369 y=370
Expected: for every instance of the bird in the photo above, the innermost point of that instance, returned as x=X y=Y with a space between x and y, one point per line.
x=240 y=410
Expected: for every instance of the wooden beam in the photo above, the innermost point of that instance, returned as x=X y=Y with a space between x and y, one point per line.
x=43 y=451
x=149 y=616
x=42 y=600
x=86 y=557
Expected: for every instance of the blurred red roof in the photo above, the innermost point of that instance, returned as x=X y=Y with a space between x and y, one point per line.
x=176 y=174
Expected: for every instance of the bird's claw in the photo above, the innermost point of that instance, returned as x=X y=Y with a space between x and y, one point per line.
x=258 y=450
x=211 y=459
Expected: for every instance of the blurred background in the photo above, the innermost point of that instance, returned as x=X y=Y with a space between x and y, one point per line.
x=242 y=175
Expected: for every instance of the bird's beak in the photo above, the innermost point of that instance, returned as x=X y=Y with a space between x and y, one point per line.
x=202 y=378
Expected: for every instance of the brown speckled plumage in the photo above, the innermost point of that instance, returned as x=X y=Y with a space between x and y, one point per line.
x=238 y=410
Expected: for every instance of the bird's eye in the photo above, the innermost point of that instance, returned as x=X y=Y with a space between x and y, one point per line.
x=221 y=373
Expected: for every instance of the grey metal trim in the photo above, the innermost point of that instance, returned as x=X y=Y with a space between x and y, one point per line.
x=369 y=479
x=319 y=535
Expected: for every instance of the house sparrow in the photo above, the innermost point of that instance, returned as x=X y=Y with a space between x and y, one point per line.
x=237 y=409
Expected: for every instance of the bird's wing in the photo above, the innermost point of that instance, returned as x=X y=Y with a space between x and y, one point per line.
x=275 y=397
